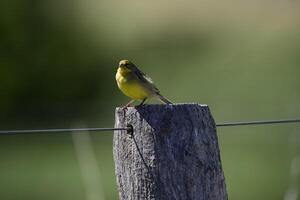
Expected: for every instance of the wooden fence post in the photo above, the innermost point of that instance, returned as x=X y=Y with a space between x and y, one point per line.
x=173 y=154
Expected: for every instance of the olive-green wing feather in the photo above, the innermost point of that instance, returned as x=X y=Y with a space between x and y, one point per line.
x=150 y=85
x=145 y=79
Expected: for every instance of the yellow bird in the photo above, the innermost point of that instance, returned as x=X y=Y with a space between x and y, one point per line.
x=135 y=84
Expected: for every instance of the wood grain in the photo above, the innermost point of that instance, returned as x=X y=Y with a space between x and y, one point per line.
x=172 y=154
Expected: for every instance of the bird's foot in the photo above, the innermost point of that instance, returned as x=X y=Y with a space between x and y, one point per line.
x=128 y=105
x=141 y=104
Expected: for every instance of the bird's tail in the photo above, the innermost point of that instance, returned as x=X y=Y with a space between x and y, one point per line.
x=163 y=99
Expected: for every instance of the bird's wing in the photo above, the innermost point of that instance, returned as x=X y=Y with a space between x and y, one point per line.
x=146 y=79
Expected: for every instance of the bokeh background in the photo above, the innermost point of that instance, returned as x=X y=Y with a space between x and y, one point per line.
x=58 y=59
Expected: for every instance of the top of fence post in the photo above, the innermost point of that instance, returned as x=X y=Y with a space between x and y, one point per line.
x=172 y=154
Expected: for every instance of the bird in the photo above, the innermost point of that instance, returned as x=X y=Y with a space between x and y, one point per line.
x=135 y=84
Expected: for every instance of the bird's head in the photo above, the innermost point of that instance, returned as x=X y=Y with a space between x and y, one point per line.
x=126 y=65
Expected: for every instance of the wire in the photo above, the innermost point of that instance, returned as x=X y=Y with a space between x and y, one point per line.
x=63 y=130
x=281 y=121
x=129 y=128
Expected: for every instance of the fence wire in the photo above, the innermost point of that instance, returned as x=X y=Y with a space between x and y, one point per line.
x=130 y=129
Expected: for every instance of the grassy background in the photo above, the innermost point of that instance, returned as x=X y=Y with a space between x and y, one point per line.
x=57 y=66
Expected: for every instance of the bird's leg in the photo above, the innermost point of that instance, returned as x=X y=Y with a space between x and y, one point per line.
x=128 y=104
x=142 y=103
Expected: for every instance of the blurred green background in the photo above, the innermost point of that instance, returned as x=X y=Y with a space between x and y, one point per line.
x=58 y=59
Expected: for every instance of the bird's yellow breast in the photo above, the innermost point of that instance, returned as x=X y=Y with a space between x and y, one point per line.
x=131 y=86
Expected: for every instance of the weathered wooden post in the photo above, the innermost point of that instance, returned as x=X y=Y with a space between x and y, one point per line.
x=173 y=154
